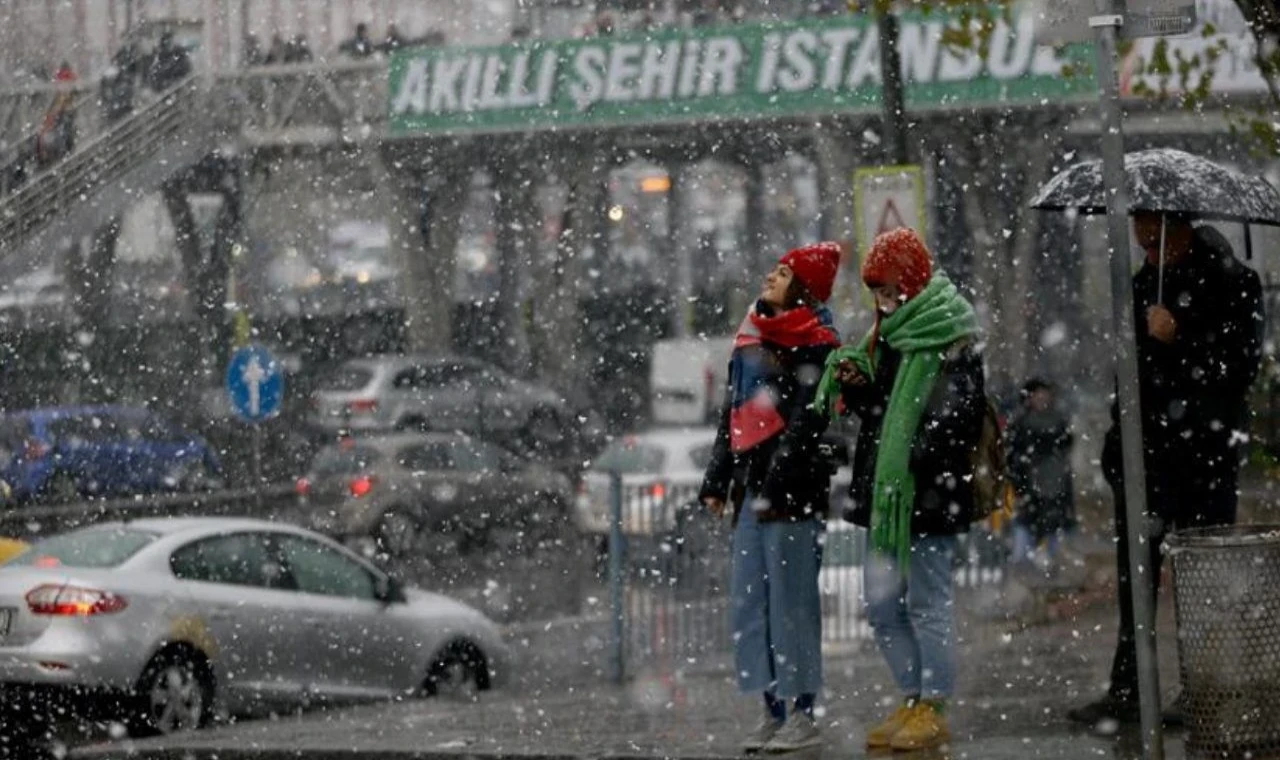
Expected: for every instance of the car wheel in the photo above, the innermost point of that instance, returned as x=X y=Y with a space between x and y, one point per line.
x=460 y=671
x=175 y=694
x=193 y=476
x=413 y=424
x=543 y=430
x=398 y=532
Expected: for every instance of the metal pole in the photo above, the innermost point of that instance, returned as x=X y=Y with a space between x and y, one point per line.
x=895 y=109
x=257 y=465
x=616 y=600
x=1106 y=26
x=679 y=255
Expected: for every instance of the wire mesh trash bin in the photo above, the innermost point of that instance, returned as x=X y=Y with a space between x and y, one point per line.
x=1227 y=601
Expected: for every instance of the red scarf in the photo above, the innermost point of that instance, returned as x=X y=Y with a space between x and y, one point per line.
x=790 y=329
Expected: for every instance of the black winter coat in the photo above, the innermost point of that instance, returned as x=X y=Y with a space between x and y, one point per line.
x=943 y=446
x=1194 y=391
x=787 y=469
x=1039 y=457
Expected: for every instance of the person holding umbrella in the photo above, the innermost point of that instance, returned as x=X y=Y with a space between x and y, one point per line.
x=1199 y=317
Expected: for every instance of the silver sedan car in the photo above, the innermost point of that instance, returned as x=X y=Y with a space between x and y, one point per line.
x=166 y=623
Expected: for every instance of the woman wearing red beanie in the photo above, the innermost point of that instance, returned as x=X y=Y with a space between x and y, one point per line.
x=765 y=455
x=916 y=381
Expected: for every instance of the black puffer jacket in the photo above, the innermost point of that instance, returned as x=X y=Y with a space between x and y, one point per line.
x=787 y=469
x=944 y=442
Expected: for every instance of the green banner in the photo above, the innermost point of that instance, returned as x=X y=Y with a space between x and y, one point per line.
x=743 y=72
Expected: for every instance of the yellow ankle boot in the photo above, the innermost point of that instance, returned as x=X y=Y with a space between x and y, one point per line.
x=881 y=736
x=925 y=728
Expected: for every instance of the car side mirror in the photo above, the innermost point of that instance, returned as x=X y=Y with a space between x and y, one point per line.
x=389 y=591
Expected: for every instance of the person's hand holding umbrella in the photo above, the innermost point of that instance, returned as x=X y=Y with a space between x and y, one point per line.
x=1161 y=325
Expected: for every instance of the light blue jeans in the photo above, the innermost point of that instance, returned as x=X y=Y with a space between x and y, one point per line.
x=777 y=608
x=913 y=615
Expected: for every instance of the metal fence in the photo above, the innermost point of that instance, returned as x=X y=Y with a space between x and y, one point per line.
x=669 y=569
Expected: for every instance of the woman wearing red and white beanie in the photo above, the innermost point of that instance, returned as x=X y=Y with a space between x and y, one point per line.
x=916 y=381
x=766 y=456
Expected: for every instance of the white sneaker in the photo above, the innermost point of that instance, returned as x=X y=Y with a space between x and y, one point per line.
x=762 y=734
x=800 y=732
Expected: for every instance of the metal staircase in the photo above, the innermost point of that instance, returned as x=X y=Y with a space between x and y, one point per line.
x=106 y=175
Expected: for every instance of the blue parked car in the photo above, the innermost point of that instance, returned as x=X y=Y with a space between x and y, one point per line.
x=63 y=454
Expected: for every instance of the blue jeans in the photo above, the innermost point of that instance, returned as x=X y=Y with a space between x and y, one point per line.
x=913 y=615
x=777 y=609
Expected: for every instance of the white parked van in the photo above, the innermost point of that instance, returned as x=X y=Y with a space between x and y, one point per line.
x=687 y=377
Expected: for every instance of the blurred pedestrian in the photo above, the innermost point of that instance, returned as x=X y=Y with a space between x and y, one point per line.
x=916 y=382
x=170 y=64
x=765 y=463
x=1199 y=314
x=359 y=46
x=1039 y=441
x=252 y=54
x=57 y=133
x=393 y=41
x=298 y=50
x=278 y=52
x=119 y=82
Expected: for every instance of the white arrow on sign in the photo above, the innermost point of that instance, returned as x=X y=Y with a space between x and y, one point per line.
x=253 y=375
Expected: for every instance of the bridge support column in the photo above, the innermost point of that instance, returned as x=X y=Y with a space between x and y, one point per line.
x=517 y=221
x=757 y=246
x=423 y=217
x=834 y=157
x=207 y=289
x=559 y=336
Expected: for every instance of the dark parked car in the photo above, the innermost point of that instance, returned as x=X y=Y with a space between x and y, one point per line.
x=61 y=454
x=421 y=494
x=442 y=393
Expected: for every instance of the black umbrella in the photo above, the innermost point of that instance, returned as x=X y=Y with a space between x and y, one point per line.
x=1169 y=182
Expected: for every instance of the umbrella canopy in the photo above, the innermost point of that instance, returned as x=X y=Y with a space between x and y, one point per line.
x=1171 y=181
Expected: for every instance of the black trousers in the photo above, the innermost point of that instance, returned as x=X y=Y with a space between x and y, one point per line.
x=1181 y=494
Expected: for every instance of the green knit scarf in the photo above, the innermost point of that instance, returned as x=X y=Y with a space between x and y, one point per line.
x=921 y=330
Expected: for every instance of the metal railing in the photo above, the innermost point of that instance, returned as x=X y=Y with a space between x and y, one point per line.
x=100 y=161
x=669 y=566
x=31 y=522
x=307 y=103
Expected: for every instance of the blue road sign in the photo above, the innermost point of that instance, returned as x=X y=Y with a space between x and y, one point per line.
x=255 y=383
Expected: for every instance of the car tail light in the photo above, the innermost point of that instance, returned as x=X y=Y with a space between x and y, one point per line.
x=361 y=486
x=363 y=406
x=73 y=601
x=34 y=449
x=302 y=487
x=658 y=490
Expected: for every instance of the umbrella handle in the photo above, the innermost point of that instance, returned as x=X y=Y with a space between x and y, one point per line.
x=1160 y=272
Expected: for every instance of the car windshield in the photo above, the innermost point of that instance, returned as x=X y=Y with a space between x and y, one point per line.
x=347 y=379
x=629 y=457
x=344 y=460
x=93 y=548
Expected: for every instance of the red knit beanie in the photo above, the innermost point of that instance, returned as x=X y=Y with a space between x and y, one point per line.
x=815 y=266
x=898 y=257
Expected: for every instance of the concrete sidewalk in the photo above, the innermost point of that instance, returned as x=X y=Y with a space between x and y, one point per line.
x=1016 y=684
